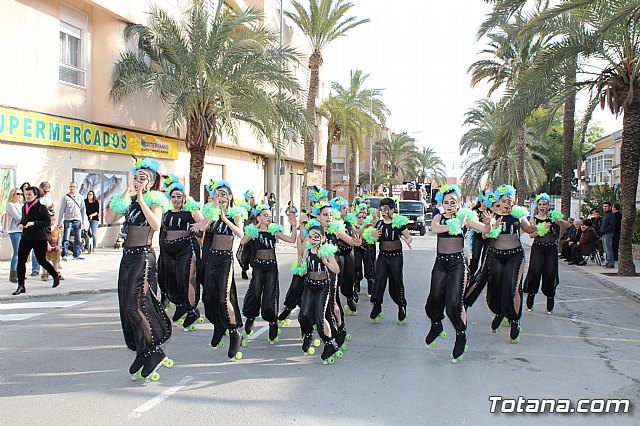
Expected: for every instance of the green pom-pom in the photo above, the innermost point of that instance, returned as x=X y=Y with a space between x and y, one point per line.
x=299 y=268
x=211 y=212
x=367 y=220
x=543 y=229
x=351 y=219
x=245 y=206
x=157 y=198
x=327 y=250
x=308 y=246
x=368 y=235
x=191 y=205
x=455 y=226
x=467 y=214
x=399 y=221
x=495 y=232
x=335 y=227
x=372 y=211
x=275 y=228
x=519 y=212
x=252 y=231
x=235 y=212
x=118 y=204
x=335 y=214
x=555 y=215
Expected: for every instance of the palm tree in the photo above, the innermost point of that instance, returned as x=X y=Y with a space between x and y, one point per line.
x=324 y=22
x=212 y=72
x=608 y=41
x=492 y=161
x=430 y=166
x=511 y=54
x=352 y=113
x=400 y=155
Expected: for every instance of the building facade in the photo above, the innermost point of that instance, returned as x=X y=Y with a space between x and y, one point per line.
x=57 y=123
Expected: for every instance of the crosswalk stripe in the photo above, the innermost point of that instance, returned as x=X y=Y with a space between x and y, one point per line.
x=18 y=317
x=40 y=305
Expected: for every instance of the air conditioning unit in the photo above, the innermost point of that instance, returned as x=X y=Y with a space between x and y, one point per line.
x=345 y=178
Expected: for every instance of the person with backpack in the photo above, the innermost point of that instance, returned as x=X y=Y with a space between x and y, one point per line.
x=73 y=215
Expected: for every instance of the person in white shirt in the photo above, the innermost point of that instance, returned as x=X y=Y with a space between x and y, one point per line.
x=72 y=214
x=13 y=218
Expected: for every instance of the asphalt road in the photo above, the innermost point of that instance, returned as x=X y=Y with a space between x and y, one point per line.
x=68 y=365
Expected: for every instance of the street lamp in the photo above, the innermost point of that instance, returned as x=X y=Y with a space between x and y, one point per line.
x=374 y=92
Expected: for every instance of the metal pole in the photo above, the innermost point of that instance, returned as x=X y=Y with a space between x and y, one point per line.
x=278 y=159
x=370 y=149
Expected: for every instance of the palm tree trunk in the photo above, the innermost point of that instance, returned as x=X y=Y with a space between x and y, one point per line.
x=629 y=166
x=315 y=61
x=329 y=164
x=353 y=161
x=196 y=166
x=521 y=182
x=567 y=146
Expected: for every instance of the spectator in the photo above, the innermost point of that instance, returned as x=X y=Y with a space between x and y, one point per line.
x=567 y=239
x=617 y=215
x=92 y=209
x=34 y=224
x=35 y=266
x=209 y=199
x=14 y=216
x=73 y=215
x=597 y=220
x=46 y=199
x=607 y=227
x=291 y=209
x=585 y=246
x=54 y=248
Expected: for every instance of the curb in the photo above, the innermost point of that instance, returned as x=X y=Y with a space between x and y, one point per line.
x=58 y=294
x=615 y=287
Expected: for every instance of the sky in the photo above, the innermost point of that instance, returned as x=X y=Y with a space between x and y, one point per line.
x=419 y=52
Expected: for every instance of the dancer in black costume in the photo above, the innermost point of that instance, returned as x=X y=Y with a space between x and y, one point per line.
x=345 y=256
x=180 y=254
x=503 y=267
x=144 y=321
x=317 y=297
x=246 y=251
x=543 y=263
x=223 y=222
x=479 y=242
x=363 y=259
x=294 y=293
x=264 y=289
x=449 y=274
x=336 y=233
x=391 y=231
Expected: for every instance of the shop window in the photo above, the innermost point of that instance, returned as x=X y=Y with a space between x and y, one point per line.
x=105 y=184
x=7 y=183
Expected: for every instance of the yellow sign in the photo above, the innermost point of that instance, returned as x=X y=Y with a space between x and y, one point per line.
x=41 y=129
x=314 y=178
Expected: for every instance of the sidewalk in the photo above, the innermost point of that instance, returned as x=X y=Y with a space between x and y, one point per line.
x=627 y=286
x=98 y=273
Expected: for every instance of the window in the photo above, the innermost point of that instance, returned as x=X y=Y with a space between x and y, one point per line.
x=72 y=38
x=71 y=55
x=338 y=165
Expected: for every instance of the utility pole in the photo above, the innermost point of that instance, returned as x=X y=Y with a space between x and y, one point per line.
x=278 y=154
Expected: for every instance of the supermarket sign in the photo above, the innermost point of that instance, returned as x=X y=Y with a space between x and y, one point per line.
x=46 y=130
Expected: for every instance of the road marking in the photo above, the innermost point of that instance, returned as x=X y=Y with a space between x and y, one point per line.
x=18 y=317
x=608 y=339
x=40 y=305
x=584 y=322
x=587 y=288
x=154 y=402
x=585 y=300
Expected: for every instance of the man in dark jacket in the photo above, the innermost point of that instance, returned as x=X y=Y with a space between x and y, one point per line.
x=617 y=215
x=571 y=236
x=585 y=246
x=606 y=233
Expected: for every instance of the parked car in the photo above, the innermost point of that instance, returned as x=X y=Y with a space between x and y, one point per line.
x=416 y=212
